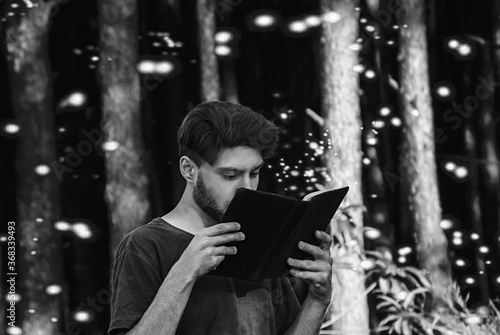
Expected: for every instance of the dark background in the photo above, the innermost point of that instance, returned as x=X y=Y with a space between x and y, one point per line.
x=277 y=72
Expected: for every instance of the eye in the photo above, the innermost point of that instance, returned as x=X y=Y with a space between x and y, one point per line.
x=230 y=176
x=255 y=174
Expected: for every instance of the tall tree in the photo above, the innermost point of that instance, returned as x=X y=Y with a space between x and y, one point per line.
x=40 y=272
x=378 y=197
x=229 y=83
x=127 y=183
x=210 y=83
x=341 y=110
x=418 y=149
x=488 y=154
x=489 y=148
x=169 y=92
x=477 y=217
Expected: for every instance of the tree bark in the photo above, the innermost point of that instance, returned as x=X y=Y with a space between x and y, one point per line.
x=378 y=207
x=489 y=148
x=341 y=110
x=477 y=216
x=39 y=261
x=488 y=164
x=229 y=82
x=127 y=183
x=418 y=150
x=210 y=83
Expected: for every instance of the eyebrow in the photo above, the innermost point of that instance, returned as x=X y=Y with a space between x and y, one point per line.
x=235 y=170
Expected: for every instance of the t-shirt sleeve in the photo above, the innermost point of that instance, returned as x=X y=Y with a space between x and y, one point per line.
x=286 y=304
x=135 y=282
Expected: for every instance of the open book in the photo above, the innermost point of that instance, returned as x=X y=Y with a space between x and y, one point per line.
x=273 y=225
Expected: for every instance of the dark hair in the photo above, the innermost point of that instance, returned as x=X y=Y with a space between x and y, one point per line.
x=215 y=125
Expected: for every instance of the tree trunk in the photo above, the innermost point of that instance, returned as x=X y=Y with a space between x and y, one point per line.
x=341 y=110
x=418 y=151
x=127 y=183
x=210 y=83
x=489 y=148
x=39 y=261
x=378 y=207
x=477 y=216
x=229 y=82
x=489 y=167
x=379 y=216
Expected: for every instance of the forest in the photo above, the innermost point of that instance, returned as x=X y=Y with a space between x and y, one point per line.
x=397 y=99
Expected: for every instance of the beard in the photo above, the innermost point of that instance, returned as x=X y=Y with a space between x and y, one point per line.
x=205 y=200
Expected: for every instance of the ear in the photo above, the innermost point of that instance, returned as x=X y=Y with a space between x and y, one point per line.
x=188 y=169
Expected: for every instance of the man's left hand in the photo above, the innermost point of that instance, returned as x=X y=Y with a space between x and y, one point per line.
x=316 y=273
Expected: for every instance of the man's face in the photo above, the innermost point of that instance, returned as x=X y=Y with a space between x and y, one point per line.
x=216 y=184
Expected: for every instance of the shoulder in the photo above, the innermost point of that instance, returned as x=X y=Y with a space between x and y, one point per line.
x=155 y=230
x=156 y=243
x=152 y=238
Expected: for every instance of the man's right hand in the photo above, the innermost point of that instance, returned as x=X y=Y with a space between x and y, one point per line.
x=206 y=250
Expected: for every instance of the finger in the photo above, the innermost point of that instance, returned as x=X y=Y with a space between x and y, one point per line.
x=221 y=228
x=324 y=239
x=315 y=251
x=226 y=238
x=316 y=278
x=307 y=265
x=224 y=251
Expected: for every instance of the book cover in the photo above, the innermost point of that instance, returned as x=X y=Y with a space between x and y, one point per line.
x=273 y=225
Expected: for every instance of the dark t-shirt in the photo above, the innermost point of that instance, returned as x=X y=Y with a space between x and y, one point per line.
x=217 y=305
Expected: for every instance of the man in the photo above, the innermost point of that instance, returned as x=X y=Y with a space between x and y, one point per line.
x=160 y=281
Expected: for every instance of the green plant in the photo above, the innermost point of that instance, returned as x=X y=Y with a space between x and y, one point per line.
x=402 y=293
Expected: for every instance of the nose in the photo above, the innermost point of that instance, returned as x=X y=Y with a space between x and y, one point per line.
x=246 y=182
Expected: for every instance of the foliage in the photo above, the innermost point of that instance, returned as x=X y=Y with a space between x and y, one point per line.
x=403 y=293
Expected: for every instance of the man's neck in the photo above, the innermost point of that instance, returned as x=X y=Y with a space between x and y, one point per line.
x=188 y=216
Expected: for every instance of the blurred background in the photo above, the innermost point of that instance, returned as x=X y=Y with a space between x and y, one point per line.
x=397 y=100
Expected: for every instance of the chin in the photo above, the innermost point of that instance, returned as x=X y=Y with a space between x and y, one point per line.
x=214 y=214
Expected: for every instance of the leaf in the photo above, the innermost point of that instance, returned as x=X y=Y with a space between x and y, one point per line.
x=379 y=329
x=495 y=309
x=437 y=317
x=412 y=294
x=384 y=304
x=393 y=83
x=457 y=297
x=397 y=325
x=384 y=285
x=408 y=300
x=391 y=300
x=406 y=328
x=467 y=296
x=412 y=280
x=388 y=319
x=392 y=269
x=421 y=290
x=381 y=263
x=376 y=254
x=401 y=273
x=420 y=275
x=392 y=309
